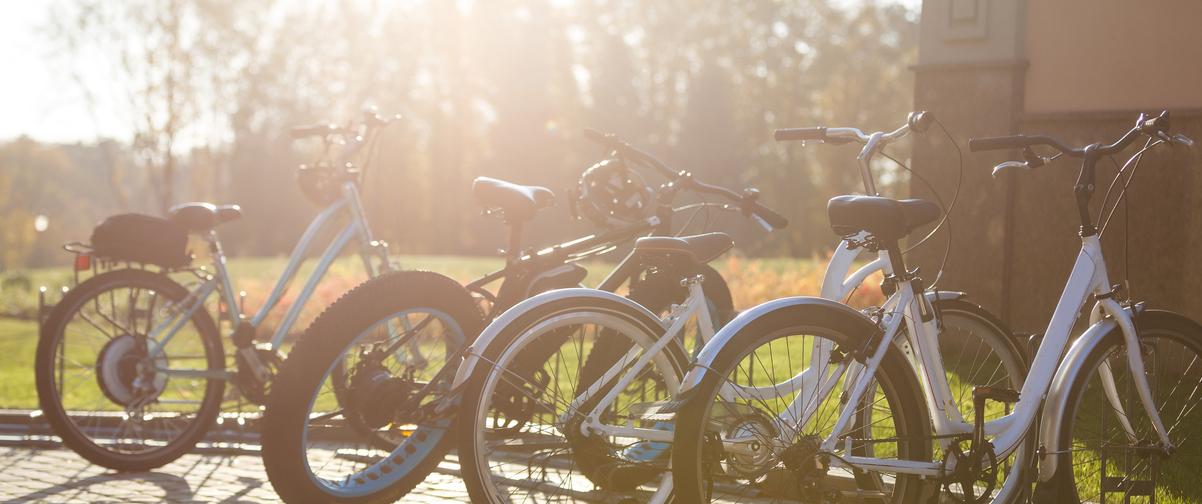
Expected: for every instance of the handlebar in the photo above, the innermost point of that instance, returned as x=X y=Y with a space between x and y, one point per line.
x=1156 y=127
x=917 y=121
x=746 y=201
x=873 y=142
x=371 y=120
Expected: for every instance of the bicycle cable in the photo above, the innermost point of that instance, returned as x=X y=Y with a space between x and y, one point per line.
x=947 y=209
x=1136 y=159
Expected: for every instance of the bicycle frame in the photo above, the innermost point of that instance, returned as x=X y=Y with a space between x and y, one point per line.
x=348 y=204
x=1088 y=280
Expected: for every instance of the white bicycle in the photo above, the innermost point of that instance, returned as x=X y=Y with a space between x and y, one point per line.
x=1113 y=416
x=604 y=398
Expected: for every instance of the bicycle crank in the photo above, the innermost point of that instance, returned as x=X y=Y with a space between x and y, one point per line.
x=253 y=388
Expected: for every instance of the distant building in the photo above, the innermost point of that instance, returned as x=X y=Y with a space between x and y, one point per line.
x=1080 y=70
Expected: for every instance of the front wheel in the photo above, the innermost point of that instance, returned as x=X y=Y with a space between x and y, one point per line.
x=125 y=375
x=348 y=417
x=1108 y=437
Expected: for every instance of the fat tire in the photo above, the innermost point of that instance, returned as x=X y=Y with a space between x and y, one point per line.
x=326 y=340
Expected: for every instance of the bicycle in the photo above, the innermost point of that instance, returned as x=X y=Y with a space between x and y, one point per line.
x=402 y=336
x=145 y=374
x=867 y=412
x=609 y=421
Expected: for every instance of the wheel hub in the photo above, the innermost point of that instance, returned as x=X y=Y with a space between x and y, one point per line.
x=376 y=395
x=124 y=373
x=751 y=465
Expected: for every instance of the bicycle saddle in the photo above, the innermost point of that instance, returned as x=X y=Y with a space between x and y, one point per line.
x=202 y=217
x=885 y=218
x=701 y=248
x=518 y=202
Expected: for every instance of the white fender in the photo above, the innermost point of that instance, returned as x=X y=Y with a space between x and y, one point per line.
x=1056 y=403
x=709 y=352
x=471 y=355
x=933 y=296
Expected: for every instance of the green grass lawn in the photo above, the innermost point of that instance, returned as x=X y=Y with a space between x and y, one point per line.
x=751 y=281
x=18 y=343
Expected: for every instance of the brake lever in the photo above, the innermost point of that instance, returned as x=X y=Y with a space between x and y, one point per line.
x=1178 y=139
x=1010 y=165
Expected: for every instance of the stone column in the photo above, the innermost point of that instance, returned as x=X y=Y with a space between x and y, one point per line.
x=970 y=74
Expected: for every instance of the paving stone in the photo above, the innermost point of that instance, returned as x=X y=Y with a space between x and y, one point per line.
x=58 y=475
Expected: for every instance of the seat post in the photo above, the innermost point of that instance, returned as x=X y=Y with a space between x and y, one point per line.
x=898 y=263
x=515 y=242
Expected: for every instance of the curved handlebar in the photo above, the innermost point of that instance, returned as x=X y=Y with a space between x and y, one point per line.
x=917 y=121
x=802 y=134
x=746 y=201
x=1157 y=126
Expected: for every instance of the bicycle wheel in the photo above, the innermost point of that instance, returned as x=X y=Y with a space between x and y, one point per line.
x=367 y=434
x=751 y=430
x=551 y=454
x=103 y=381
x=657 y=292
x=979 y=351
x=1113 y=464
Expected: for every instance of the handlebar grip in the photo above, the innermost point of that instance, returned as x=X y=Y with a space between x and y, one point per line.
x=777 y=221
x=998 y=143
x=795 y=134
x=920 y=121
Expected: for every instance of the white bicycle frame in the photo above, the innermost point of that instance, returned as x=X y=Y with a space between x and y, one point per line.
x=1088 y=280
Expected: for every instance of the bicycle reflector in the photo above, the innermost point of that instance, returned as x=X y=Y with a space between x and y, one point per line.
x=610 y=194
x=83 y=262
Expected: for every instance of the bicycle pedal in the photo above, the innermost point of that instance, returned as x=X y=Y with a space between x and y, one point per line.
x=1002 y=395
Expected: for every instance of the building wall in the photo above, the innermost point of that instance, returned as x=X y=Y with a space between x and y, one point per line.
x=1077 y=70
x=1106 y=55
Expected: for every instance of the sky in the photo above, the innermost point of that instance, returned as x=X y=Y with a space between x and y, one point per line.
x=38 y=95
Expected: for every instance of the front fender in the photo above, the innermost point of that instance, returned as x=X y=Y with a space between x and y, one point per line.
x=933 y=296
x=1056 y=404
x=801 y=307
x=485 y=340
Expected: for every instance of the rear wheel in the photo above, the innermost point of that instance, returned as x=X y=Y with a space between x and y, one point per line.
x=106 y=384
x=746 y=433
x=347 y=419
x=552 y=454
x=1114 y=450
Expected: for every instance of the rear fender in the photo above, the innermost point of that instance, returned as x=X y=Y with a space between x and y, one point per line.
x=839 y=315
x=498 y=325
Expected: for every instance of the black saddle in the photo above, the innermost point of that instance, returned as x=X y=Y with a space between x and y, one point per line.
x=887 y=219
x=202 y=217
x=701 y=248
x=518 y=202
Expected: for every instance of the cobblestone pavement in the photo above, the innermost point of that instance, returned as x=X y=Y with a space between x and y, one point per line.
x=58 y=475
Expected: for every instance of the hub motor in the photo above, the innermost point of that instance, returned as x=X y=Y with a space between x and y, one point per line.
x=376 y=395
x=125 y=375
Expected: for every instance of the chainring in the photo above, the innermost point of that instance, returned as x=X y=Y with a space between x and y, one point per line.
x=249 y=386
x=975 y=471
